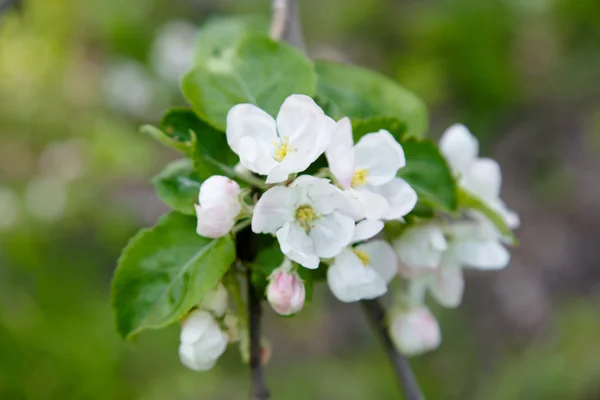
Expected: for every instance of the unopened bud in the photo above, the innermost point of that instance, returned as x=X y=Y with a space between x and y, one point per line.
x=216 y=301
x=219 y=206
x=415 y=331
x=202 y=341
x=285 y=291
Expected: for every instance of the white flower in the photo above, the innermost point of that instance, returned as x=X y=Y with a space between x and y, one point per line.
x=215 y=301
x=202 y=341
x=473 y=244
x=368 y=171
x=219 y=206
x=362 y=272
x=308 y=219
x=415 y=331
x=277 y=148
x=285 y=291
x=421 y=247
x=479 y=176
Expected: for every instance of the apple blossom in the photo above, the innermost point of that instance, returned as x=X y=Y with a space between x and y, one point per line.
x=362 y=272
x=308 y=219
x=421 y=247
x=479 y=176
x=215 y=301
x=282 y=146
x=285 y=291
x=472 y=243
x=202 y=341
x=368 y=171
x=219 y=206
x=415 y=331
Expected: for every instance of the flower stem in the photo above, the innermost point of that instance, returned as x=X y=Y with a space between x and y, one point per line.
x=376 y=315
x=241 y=225
x=259 y=389
x=231 y=281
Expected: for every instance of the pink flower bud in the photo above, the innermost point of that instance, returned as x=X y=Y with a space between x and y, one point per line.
x=415 y=331
x=219 y=206
x=285 y=291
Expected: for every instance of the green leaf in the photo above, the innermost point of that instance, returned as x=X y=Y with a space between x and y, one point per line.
x=361 y=127
x=219 y=35
x=467 y=199
x=356 y=92
x=164 y=271
x=166 y=139
x=259 y=71
x=178 y=186
x=207 y=146
x=428 y=173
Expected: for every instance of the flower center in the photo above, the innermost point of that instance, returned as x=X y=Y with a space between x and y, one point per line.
x=305 y=215
x=363 y=256
x=282 y=149
x=360 y=177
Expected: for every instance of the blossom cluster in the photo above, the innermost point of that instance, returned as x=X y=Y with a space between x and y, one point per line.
x=333 y=219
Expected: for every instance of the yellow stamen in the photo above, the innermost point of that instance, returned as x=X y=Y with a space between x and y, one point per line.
x=363 y=256
x=305 y=215
x=360 y=177
x=283 y=149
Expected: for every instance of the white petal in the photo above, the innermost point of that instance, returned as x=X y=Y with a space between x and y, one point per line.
x=421 y=246
x=483 y=178
x=187 y=355
x=331 y=233
x=415 y=332
x=380 y=155
x=374 y=205
x=279 y=173
x=448 y=284
x=295 y=243
x=214 y=222
x=247 y=120
x=275 y=208
x=349 y=280
x=215 y=301
x=478 y=229
x=383 y=258
x=340 y=154
x=400 y=196
x=366 y=229
x=459 y=147
x=307 y=128
x=195 y=325
x=487 y=254
x=256 y=156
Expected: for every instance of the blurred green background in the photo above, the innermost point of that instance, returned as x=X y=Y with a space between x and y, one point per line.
x=78 y=77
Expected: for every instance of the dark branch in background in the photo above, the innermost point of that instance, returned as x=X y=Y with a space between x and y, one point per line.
x=285 y=24
x=376 y=315
x=246 y=250
x=259 y=390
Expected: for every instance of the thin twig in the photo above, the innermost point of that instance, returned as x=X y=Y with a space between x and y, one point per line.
x=259 y=390
x=285 y=23
x=376 y=315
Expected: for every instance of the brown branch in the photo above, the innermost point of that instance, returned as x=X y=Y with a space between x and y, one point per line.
x=376 y=315
x=259 y=390
x=285 y=24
